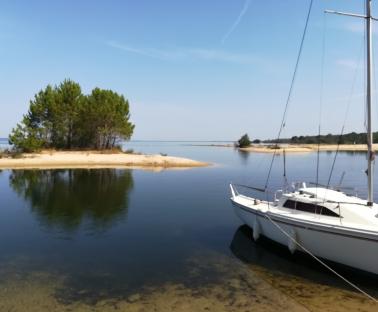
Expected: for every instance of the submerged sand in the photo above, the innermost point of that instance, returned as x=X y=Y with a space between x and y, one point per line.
x=92 y=159
x=240 y=287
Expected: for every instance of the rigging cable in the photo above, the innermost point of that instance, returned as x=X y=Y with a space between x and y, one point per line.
x=274 y=154
x=322 y=62
x=346 y=115
x=374 y=91
x=290 y=91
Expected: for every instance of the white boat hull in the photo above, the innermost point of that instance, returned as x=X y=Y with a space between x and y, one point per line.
x=338 y=246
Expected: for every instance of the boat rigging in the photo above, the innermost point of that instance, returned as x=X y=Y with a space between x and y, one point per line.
x=325 y=223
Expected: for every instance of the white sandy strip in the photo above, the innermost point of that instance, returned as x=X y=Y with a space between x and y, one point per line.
x=96 y=160
x=308 y=148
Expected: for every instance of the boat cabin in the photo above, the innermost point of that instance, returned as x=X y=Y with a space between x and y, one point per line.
x=320 y=201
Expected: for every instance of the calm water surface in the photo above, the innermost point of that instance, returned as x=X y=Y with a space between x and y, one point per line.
x=135 y=240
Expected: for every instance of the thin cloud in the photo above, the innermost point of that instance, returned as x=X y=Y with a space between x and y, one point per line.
x=355 y=27
x=152 y=53
x=182 y=54
x=237 y=21
x=222 y=56
x=348 y=63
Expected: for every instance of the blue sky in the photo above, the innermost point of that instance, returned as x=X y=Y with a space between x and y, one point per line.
x=192 y=70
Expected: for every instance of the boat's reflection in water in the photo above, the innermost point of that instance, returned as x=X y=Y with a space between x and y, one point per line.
x=272 y=259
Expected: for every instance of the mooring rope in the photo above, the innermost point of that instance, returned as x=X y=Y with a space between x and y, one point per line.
x=320 y=261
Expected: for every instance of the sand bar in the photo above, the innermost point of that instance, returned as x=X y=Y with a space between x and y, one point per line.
x=92 y=159
x=308 y=148
x=296 y=148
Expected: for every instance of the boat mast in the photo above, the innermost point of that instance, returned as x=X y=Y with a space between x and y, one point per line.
x=370 y=153
x=369 y=53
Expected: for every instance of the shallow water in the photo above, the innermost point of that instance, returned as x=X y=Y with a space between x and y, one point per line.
x=113 y=240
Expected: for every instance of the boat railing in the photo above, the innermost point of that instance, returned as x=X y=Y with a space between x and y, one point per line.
x=350 y=191
x=253 y=188
x=278 y=195
x=298 y=185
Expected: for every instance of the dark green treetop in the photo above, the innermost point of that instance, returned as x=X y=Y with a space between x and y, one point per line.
x=244 y=141
x=62 y=117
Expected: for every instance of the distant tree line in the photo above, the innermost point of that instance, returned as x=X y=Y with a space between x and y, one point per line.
x=62 y=117
x=348 y=138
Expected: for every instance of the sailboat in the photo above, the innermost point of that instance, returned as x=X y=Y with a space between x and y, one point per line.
x=326 y=223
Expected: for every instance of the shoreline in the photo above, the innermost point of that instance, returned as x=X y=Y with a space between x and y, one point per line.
x=309 y=148
x=96 y=159
x=297 y=148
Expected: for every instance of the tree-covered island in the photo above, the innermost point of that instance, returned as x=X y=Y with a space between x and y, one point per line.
x=62 y=117
x=65 y=128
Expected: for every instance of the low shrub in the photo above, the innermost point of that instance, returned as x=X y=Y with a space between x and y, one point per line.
x=244 y=141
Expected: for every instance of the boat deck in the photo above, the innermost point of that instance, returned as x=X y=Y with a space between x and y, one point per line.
x=275 y=210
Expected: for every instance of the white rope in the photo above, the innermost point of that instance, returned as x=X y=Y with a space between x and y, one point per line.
x=320 y=261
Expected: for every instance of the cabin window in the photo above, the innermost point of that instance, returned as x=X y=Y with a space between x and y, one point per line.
x=308 y=207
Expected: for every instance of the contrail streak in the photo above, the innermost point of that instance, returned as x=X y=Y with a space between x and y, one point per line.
x=237 y=21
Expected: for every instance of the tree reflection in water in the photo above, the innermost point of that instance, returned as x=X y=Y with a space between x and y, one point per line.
x=244 y=156
x=68 y=199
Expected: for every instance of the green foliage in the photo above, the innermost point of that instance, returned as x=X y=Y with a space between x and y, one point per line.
x=25 y=138
x=105 y=116
x=244 y=141
x=348 y=138
x=62 y=117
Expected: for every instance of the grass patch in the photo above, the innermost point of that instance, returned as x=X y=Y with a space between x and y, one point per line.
x=10 y=153
x=276 y=147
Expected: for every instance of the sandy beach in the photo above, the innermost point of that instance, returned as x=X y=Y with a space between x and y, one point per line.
x=296 y=148
x=92 y=159
x=307 y=148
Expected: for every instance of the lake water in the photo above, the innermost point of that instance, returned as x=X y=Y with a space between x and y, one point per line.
x=138 y=240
